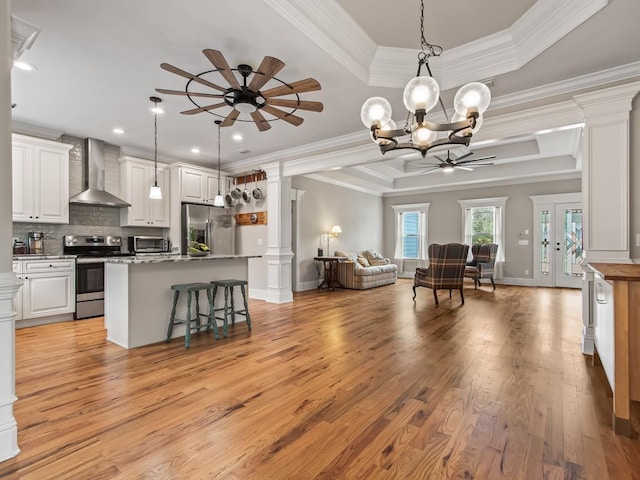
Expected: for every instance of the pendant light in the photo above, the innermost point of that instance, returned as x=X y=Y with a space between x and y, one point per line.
x=218 y=201
x=154 y=192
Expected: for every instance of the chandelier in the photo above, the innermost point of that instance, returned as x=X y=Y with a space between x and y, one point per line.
x=421 y=94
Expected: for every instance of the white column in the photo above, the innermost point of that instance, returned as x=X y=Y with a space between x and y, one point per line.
x=278 y=254
x=9 y=283
x=605 y=186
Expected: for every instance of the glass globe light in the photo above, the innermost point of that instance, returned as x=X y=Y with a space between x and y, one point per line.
x=457 y=118
x=421 y=93
x=422 y=136
x=447 y=169
x=383 y=141
x=375 y=111
x=473 y=94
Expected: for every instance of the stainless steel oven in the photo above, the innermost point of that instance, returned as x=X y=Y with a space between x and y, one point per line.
x=91 y=253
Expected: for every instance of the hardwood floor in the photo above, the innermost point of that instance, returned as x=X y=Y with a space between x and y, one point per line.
x=343 y=384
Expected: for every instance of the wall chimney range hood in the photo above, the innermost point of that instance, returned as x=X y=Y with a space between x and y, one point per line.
x=94 y=193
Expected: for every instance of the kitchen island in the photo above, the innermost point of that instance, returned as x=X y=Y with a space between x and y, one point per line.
x=138 y=295
x=616 y=318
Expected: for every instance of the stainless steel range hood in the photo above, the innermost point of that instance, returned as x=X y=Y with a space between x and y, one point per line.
x=94 y=193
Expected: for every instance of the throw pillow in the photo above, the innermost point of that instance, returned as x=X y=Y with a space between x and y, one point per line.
x=351 y=256
x=374 y=258
x=363 y=261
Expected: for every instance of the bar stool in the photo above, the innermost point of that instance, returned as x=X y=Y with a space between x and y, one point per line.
x=196 y=288
x=229 y=308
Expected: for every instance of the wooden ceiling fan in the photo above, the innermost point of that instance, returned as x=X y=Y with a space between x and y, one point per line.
x=448 y=164
x=243 y=93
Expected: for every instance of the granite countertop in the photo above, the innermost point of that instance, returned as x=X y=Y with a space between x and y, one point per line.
x=27 y=256
x=172 y=258
x=618 y=271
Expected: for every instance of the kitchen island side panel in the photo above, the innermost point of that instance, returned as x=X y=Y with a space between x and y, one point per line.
x=138 y=296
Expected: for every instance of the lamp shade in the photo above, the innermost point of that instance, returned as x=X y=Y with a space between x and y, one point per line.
x=376 y=111
x=421 y=93
x=155 y=193
x=423 y=135
x=218 y=201
x=472 y=95
x=335 y=230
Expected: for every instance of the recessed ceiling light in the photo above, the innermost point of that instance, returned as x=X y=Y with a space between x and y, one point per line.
x=237 y=137
x=27 y=67
x=118 y=131
x=195 y=150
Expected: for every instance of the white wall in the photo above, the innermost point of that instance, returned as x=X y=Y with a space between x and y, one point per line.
x=323 y=205
x=445 y=218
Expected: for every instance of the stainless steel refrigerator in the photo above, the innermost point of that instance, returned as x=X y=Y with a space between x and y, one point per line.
x=213 y=226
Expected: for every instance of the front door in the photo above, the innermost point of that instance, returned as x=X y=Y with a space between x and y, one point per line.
x=557 y=240
x=568 y=245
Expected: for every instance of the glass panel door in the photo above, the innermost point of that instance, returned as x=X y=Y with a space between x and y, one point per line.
x=568 y=245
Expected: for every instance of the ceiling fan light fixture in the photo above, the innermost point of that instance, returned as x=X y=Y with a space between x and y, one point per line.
x=420 y=95
x=448 y=169
x=245 y=107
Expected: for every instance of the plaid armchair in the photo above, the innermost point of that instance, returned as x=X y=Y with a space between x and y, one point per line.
x=482 y=265
x=445 y=271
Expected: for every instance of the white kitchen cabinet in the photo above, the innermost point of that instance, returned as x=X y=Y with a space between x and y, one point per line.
x=49 y=287
x=198 y=185
x=136 y=178
x=603 y=323
x=17 y=300
x=40 y=183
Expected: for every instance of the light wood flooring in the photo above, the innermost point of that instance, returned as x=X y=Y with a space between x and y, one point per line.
x=342 y=384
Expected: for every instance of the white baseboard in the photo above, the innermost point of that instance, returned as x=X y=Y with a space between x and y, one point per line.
x=34 y=322
x=258 y=293
x=522 y=282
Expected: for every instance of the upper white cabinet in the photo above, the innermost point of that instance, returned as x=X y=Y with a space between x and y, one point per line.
x=198 y=185
x=40 y=180
x=136 y=178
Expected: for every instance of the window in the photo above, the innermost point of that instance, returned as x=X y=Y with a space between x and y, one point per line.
x=483 y=222
x=411 y=235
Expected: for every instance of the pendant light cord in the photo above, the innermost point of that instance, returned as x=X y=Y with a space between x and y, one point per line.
x=218 y=123
x=155 y=146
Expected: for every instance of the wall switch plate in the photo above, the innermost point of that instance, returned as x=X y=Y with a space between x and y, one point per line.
x=526 y=232
x=637 y=239
x=259 y=241
x=526 y=272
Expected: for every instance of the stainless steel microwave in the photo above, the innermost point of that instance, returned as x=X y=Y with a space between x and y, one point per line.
x=145 y=244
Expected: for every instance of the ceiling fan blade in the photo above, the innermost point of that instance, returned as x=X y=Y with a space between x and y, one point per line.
x=191 y=94
x=435 y=167
x=268 y=68
x=282 y=115
x=464 y=168
x=204 y=109
x=474 y=165
x=231 y=118
x=442 y=160
x=182 y=73
x=300 y=105
x=301 y=86
x=488 y=157
x=463 y=156
x=217 y=60
x=260 y=121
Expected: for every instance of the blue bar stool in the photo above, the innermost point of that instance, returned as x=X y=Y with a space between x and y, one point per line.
x=190 y=288
x=229 y=308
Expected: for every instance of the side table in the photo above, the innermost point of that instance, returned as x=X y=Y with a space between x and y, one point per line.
x=330 y=271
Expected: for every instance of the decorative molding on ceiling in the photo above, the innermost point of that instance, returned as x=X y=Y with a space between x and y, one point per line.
x=35 y=131
x=546 y=22
x=571 y=86
x=23 y=35
x=332 y=29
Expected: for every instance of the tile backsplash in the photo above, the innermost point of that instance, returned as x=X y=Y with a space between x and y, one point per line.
x=86 y=219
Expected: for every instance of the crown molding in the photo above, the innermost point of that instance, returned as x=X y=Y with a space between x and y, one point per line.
x=35 y=131
x=546 y=22
x=332 y=29
x=338 y=183
x=23 y=35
